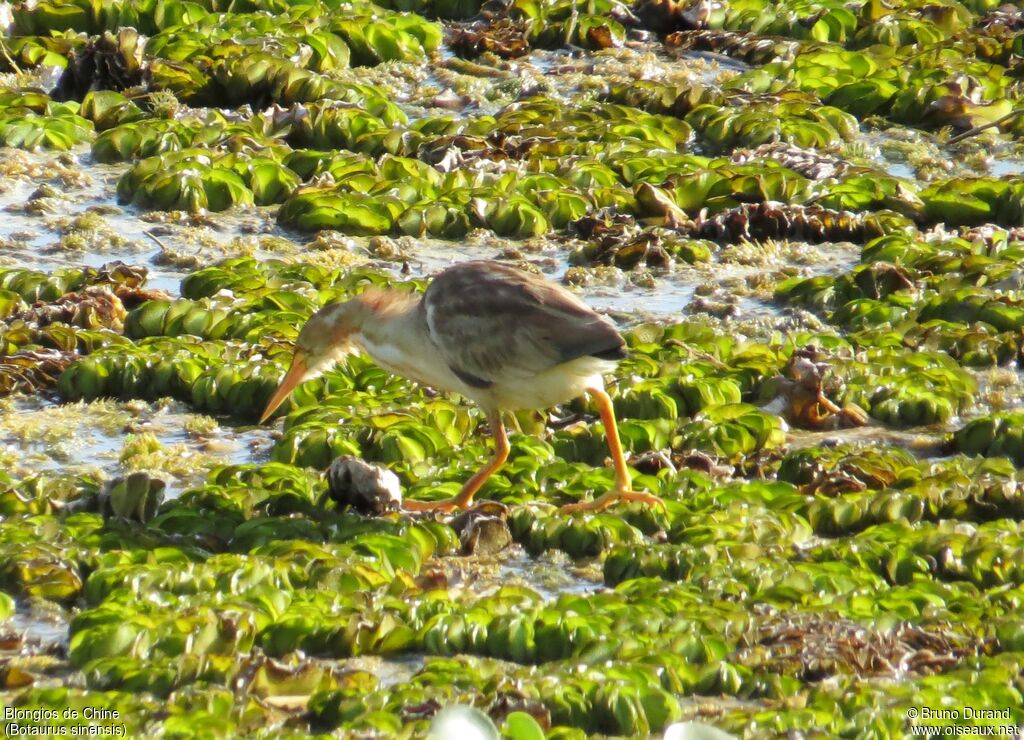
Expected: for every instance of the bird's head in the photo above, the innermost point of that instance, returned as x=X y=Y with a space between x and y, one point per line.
x=323 y=341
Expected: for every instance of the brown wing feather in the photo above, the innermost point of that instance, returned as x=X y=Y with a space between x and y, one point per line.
x=489 y=319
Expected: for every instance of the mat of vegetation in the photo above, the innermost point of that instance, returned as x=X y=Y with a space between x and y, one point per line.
x=833 y=413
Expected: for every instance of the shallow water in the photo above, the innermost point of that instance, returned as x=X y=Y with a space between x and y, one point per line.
x=389 y=671
x=725 y=288
x=549 y=575
x=88 y=439
x=32 y=240
x=39 y=632
x=922 y=442
x=1009 y=167
x=732 y=293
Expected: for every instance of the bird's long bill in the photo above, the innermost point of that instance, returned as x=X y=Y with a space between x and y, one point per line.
x=292 y=378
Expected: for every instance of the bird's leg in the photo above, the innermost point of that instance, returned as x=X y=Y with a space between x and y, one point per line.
x=622 y=490
x=465 y=498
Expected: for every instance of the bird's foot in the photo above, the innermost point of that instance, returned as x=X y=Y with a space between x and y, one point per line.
x=613 y=496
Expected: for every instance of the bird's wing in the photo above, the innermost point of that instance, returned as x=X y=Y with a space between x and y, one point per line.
x=491 y=321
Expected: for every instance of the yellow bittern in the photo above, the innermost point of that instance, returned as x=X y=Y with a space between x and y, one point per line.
x=504 y=338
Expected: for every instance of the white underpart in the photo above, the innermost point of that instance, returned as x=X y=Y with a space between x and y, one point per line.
x=559 y=384
x=426 y=368
x=509 y=392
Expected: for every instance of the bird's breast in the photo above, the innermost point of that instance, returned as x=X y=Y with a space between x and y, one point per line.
x=509 y=390
x=560 y=384
x=423 y=366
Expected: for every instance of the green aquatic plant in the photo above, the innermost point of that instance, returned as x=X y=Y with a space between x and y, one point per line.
x=193 y=179
x=995 y=435
x=142 y=139
x=731 y=431
x=49 y=50
x=918 y=388
x=32 y=121
x=813 y=580
x=975 y=201
x=798 y=122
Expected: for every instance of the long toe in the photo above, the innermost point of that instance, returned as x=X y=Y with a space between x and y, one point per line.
x=444 y=505
x=613 y=497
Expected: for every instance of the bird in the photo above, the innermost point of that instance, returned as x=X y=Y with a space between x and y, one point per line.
x=499 y=336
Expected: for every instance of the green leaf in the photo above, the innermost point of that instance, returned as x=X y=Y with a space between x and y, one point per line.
x=522 y=726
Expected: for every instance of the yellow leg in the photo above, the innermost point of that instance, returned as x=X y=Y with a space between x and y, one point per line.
x=465 y=498
x=622 y=491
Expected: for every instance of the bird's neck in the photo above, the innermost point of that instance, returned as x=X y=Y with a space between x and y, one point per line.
x=386 y=304
x=390 y=318
x=396 y=338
